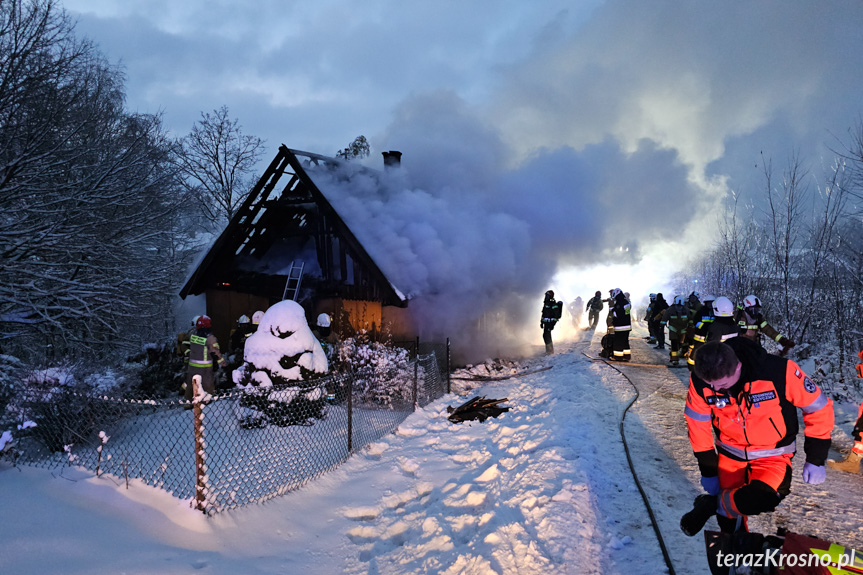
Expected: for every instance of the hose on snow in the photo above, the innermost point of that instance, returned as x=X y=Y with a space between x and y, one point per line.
x=650 y=513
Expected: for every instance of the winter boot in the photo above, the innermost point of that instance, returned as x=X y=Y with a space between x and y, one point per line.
x=703 y=509
x=850 y=464
x=549 y=349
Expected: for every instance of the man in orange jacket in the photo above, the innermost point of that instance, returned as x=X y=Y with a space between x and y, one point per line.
x=851 y=464
x=747 y=398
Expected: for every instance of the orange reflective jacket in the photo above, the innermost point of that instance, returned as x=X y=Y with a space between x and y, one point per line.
x=758 y=415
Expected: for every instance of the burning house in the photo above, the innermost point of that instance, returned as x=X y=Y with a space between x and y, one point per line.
x=287 y=241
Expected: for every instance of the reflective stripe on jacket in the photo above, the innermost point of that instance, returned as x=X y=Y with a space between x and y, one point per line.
x=620 y=314
x=758 y=416
x=203 y=347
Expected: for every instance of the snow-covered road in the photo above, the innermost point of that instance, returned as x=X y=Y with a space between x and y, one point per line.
x=544 y=488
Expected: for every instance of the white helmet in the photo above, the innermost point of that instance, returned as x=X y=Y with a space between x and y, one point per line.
x=615 y=292
x=257 y=317
x=652 y=296
x=722 y=307
x=678 y=300
x=323 y=320
x=751 y=301
x=709 y=297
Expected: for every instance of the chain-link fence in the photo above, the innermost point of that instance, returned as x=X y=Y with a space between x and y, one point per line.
x=252 y=444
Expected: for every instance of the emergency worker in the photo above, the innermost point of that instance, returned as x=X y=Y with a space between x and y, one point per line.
x=256 y=318
x=752 y=324
x=551 y=312
x=620 y=320
x=693 y=306
x=648 y=313
x=575 y=311
x=740 y=411
x=594 y=306
x=676 y=317
x=240 y=334
x=851 y=464
x=182 y=348
x=655 y=318
x=203 y=348
x=718 y=325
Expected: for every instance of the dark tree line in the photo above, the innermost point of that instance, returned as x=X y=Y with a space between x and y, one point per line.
x=799 y=248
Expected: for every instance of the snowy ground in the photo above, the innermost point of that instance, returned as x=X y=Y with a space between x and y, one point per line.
x=545 y=488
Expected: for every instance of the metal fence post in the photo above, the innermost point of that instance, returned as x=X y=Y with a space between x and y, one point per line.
x=448 y=368
x=200 y=456
x=350 y=413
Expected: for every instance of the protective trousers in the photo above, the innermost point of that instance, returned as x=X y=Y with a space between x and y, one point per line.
x=621 y=345
x=751 y=487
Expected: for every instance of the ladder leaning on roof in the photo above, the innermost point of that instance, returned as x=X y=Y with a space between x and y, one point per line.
x=295 y=277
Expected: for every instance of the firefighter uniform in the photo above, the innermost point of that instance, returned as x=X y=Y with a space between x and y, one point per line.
x=747 y=434
x=677 y=320
x=203 y=348
x=551 y=312
x=752 y=324
x=594 y=306
x=620 y=320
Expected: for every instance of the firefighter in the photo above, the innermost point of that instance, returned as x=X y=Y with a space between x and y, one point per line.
x=851 y=464
x=240 y=334
x=676 y=317
x=256 y=318
x=752 y=324
x=182 y=348
x=551 y=312
x=594 y=306
x=740 y=411
x=715 y=323
x=575 y=312
x=203 y=348
x=693 y=306
x=620 y=320
x=657 y=311
x=648 y=313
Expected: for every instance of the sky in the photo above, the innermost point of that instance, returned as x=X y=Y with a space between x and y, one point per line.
x=581 y=136
x=542 y=489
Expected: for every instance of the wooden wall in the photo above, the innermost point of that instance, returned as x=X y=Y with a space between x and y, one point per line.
x=225 y=307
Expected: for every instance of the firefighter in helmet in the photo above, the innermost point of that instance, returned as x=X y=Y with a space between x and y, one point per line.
x=752 y=324
x=552 y=311
x=203 y=349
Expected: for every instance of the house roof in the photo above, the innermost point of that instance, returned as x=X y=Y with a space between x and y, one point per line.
x=272 y=207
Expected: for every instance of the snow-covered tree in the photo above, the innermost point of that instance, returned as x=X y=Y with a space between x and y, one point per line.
x=282 y=361
x=88 y=199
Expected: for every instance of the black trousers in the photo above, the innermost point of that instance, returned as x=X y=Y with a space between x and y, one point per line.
x=621 y=345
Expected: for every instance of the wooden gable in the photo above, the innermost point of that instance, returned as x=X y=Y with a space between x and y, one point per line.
x=286 y=219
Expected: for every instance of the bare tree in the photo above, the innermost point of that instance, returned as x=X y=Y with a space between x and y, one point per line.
x=217 y=161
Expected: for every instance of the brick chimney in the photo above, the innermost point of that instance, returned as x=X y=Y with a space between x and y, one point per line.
x=392 y=159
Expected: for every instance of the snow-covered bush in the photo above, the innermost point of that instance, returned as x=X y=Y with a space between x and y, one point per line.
x=281 y=361
x=383 y=373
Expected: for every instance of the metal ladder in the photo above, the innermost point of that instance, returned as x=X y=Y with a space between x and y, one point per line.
x=295 y=277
